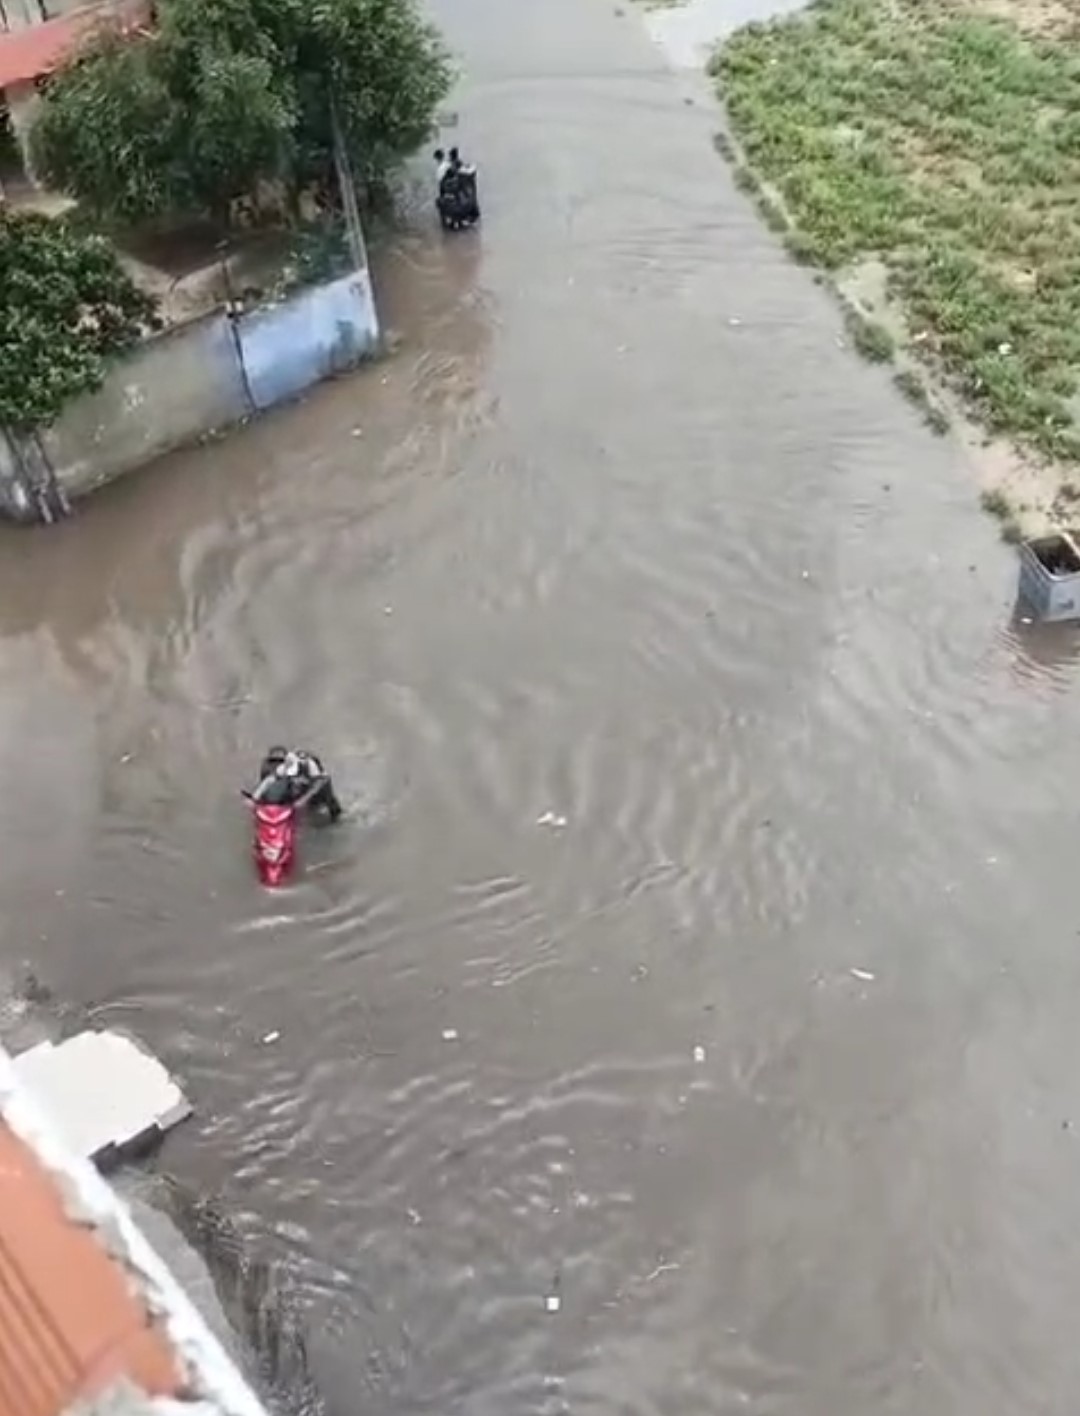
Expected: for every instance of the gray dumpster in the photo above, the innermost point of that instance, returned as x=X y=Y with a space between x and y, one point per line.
x=1050 y=576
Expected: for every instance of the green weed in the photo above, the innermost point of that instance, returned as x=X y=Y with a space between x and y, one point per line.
x=995 y=502
x=946 y=144
x=872 y=340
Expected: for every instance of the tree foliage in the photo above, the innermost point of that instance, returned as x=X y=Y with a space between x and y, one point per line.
x=162 y=126
x=66 y=307
x=230 y=93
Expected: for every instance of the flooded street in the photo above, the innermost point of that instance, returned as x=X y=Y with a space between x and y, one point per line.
x=700 y=949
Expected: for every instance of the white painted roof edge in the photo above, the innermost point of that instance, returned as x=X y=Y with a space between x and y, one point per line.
x=217 y=1388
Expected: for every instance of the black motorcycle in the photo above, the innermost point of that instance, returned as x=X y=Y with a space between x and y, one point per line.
x=458 y=203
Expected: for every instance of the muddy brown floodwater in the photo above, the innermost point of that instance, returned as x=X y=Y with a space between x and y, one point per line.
x=765 y=1063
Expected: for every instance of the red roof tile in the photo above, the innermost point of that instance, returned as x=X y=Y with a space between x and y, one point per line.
x=70 y=1323
x=27 y=54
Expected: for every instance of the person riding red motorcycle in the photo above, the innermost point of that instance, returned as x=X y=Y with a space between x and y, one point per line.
x=296 y=778
x=289 y=782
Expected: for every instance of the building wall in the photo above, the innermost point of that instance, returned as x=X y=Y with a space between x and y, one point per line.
x=178 y=387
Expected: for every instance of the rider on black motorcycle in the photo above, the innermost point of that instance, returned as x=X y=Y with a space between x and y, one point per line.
x=457 y=199
x=296 y=779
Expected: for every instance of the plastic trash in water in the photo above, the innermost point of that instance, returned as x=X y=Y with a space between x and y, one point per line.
x=699 y=1053
x=864 y=974
x=449 y=1034
x=552 y=1303
x=271 y=1036
x=551 y=818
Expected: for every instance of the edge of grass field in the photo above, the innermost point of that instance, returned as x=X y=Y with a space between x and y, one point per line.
x=1024 y=490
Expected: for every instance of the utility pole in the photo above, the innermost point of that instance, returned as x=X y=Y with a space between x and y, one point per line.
x=347 y=186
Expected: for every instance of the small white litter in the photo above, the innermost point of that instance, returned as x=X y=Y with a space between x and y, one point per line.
x=699 y=1053
x=864 y=974
x=271 y=1036
x=552 y=1303
x=449 y=1034
x=550 y=818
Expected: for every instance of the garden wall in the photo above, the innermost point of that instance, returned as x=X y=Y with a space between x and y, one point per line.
x=179 y=386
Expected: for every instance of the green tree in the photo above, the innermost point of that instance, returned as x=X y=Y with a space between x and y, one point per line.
x=229 y=93
x=163 y=126
x=66 y=307
x=388 y=74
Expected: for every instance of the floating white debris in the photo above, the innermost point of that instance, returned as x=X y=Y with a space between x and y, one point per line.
x=699 y=1053
x=552 y=1303
x=449 y=1034
x=272 y=1036
x=550 y=818
x=864 y=974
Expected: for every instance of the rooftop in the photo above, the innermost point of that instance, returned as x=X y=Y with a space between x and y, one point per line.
x=37 y=50
x=91 y=1319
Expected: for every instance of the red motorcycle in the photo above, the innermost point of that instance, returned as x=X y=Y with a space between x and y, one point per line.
x=274 y=841
x=305 y=789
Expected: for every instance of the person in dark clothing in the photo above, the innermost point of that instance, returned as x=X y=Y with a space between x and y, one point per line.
x=296 y=779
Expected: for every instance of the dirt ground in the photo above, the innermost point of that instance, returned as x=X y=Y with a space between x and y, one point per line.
x=1056 y=18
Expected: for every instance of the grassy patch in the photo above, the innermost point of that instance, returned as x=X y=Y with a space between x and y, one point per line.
x=872 y=340
x=996 y=503
x=946 y=144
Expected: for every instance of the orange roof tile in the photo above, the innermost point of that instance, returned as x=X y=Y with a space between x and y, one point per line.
x=27 y=54
x=71 y=1323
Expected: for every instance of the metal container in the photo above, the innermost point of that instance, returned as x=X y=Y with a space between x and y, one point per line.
x=1050 y=576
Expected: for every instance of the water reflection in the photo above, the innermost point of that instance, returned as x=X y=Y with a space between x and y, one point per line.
x=1039 y=653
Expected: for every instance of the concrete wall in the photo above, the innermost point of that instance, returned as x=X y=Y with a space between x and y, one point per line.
x=14 y=495
x=289 y=347
x=20 y=14
x=175 y=388
x=23 y=101
x=169 y=392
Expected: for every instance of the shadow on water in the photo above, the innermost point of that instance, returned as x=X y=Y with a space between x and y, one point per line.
x=1041 y=653
x=256 y=1299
